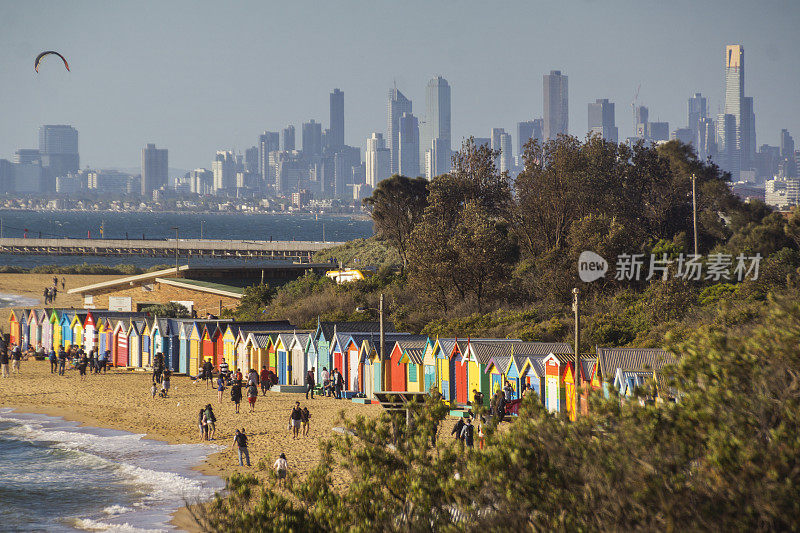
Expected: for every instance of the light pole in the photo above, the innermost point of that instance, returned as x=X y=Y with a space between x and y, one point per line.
x=694 y=212
x=380 y=318
x=576 y=298
x=201 y=229
x=176 y=250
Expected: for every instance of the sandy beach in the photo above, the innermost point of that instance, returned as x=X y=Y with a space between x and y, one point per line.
x=33 y=285
x=121 y=400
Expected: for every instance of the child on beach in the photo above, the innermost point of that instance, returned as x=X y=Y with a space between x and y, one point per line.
x=252 y=395
x=153 y=390
x=165 y=382
x=220 y=386
x=281 y=467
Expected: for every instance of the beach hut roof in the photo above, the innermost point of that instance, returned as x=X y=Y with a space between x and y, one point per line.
x=611 y=359
x=499 y=361
x=260 y=340
x=302 y=338
x=537 y=363
x=486 y=349
x=327 y=328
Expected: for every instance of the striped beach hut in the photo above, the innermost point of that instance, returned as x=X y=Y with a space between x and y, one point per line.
x=16 y=321
x=183 y=339
x=135 y=344
x=119 y=351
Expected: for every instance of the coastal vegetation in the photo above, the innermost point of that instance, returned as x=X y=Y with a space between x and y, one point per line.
x=84 y=268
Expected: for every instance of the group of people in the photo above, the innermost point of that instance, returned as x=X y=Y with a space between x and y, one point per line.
x=15 y=357
x=207 y=422
x=93 y=363
x=281 y=465
x=50 y=293
x=299 y=421
x=464 y=432
x=332 y=383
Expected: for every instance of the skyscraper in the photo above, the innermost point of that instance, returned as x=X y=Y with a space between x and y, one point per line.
x=155 y=169
x=398 y=104
x=556 y=105
x=501 y=142
x=530 y=129
x=224 y=169
x=437 y=121
x=739 y=151
x=408 y=144
x=747 y=137
x=267 y=142
x=336 y=136
x=288 y=138
x=640 y=117
x=698 y=109
x=727 y=152
x=58 y=146
x=312 y=138
x=602 y=120
x=706 y=139
x=377 y=160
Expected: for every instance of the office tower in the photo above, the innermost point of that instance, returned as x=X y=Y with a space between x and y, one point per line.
x=336 y=138
x=684 y=135
x=787 y=144
x=32 y=156
x=530 y=129
x=657 y=131
x=58 y=146
x=437 y=120
x=288 y=138
x=312 y=138
x=556 y=105
x=640 y=117
x=201 y=181
x=268 y=142
x=747 y=146
x=408 y=146
x=155 y=169
x=767 y=160
x=787 y=165
x=706 y=139
x=397 y=106
x=602 y=120
x=437 y=158
x=343 y=162
x=741 y=149
x=378 y=165
x=224 y=169
x=6 y=176
x=251 y=160
x=727 y=150
x=698 y=109
x=501 y=142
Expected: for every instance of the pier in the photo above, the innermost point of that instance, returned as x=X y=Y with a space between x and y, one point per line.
x=294 y=250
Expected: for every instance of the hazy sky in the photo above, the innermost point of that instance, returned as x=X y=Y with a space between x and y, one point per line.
x=195 y=77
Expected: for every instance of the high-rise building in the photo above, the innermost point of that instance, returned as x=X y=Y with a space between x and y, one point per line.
x=788 y=164
x=740 y=150
x=657 y=131
x=727 y=149
x=698 y=109
x=602 y=120
x=224 y=169
x=336 y=136
x=32 y=156
x=437 y=158
x=377 y=160
x=641 y=116
x=6 y=177
x=408 y=144
x=787 y=144
x=397 y=106
x=251 y=160
x=155 y=169
x=501 y=142
x=268 y=142
x=747 y=136
x=288 y=138
x=58 y=145
x=684 y=135
x=706 y=139
x=437 y=121
x=530 y=129
x=556 y=105
x=312 y=138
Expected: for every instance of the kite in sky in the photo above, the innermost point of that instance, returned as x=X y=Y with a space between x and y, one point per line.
x=48 y=52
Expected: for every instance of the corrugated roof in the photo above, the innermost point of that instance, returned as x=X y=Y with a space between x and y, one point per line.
x=486 y=349
x=611 y=359
x=353 y=327
x=261 y=340
x=415 y=354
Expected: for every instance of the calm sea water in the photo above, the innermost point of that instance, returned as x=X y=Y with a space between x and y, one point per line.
x=60 y=224
x=56 y=476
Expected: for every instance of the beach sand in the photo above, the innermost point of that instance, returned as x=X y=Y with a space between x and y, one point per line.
x=122 y=400
x=33 y=285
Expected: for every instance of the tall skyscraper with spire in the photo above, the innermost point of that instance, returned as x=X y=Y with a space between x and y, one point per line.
x=436 y=130
x=737 y=153
x=397 y=106
x=556 y=105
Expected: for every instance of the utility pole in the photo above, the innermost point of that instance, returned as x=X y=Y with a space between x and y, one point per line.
x=201 y=229
x=383 y=338
x=576 y=294
x=176 y=250
x=694 y=212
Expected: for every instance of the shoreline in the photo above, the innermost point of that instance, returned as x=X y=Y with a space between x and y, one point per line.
x=180 y=517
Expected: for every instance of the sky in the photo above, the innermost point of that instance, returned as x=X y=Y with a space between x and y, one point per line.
x=196 y=77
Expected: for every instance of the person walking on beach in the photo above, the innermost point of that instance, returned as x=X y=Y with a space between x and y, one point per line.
x=224 y=368
x=211 y=423
x=165 y=375
x=310 y=383
x=46 y=295
x=83 y=362
x=208 y=368
x=240 y=443
x=236 y=394
x=102 y=361
x=339 y=385
x=467 y=433
x=201 y=422
x=16 y=358
x=62 y=360
x=92 y=360
x=4 y=359
x=53 y=358
x=281 y=468
x=296 y=419
x=306 y=417
x=220 y=386
x=63 y=283
x=55 y=281
x=252 y=395
x=265 y=381
x=325 y=381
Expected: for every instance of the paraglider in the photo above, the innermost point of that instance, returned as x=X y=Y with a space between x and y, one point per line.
x=48 y=52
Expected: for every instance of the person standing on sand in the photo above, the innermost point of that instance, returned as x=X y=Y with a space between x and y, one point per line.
x=102 y=361
x=62 y=360
x=208 y=368
x=296 y=419
x=211 y=423
x=281 y=467
x=306 y=417
x=63 y=283
x=53 y=358
x=165 y=375
x=83 y=362
x=16 y=358
x=201 y=422
x=264 y=380
x=310 y=383
x=220 y=386
x=240 y=443
x=325 y=381
x=153 y=390
x=46 y=296
x=236 y=394
x=252 y=395
x=4 y=359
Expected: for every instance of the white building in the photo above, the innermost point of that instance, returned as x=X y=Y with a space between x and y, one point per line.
x=378 y=160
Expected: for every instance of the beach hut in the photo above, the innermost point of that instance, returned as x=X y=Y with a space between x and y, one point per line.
x=120 y=350
x=146 y=326
x=15 y=320
x=172 y=344
x=282 y=342
x=532 y=374
x=412 y=358
x=219 y=344
x=134 y=345
x=609 y=360
x=34 y=328
x=229 y=338
x=396 y=375
x=297 y=357
x=89 y=332
x=55 y=329
x=65 y=323
x=47 y=330
x=77 y=328
x=310 y=349
x=429 y=366
x=512 y=373
x=207 y=344
x=195 y=342
x=183 y=339
x=495 y=369
x=442 y=350
x=369 y=364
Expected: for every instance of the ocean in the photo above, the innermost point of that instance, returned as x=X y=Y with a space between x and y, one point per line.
x=134 y=225
x=56 y=476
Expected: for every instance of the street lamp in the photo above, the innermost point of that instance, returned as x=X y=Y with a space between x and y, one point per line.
x=380 y=314
x=176 y=249
x=576 y=298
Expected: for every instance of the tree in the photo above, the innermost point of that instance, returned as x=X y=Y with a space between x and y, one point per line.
x=168 y=310
x=396 y=206
x=254 y=300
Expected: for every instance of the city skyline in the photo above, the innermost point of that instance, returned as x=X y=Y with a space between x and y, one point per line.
x=108 y=88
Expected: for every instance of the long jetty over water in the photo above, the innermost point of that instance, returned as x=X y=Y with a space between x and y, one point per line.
x=297 y=250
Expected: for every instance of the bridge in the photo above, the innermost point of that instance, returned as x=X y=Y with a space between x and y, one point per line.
x=295 y=250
